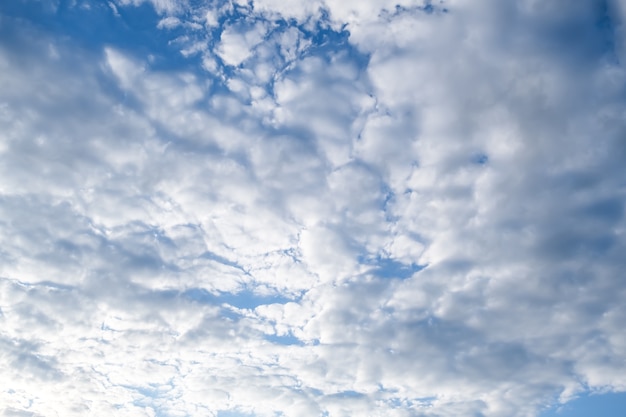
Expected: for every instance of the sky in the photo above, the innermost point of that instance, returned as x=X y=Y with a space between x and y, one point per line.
x=331 y=208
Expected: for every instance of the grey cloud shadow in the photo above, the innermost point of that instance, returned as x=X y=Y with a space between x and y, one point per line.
x=24 y=359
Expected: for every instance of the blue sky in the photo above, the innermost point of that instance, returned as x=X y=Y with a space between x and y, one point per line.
x=312 y=208
x=591 y=405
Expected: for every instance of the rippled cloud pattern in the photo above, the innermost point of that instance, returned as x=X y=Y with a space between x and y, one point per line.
x=327 y=208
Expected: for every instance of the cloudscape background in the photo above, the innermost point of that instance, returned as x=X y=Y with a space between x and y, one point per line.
x=312 y=207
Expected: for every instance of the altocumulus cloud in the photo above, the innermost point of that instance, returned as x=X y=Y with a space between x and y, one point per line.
x=311 y=208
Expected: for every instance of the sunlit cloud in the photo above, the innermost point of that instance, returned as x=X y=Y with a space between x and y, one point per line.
x=310 y=208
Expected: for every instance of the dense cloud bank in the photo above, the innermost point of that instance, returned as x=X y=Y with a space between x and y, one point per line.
x=311 y=208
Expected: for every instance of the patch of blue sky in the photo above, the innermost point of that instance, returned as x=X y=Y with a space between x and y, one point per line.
x=246 y=299
x=349 y=394
x=132 y=28
x=234 y=413
x=286 y=340
x=591 y=405
x=480 y=159
x=149 y=396
x=390 y=268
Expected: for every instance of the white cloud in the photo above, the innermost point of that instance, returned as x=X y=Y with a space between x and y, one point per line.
x=161 y=6
x=169 y=22
x=423 y=218
x=237 y=43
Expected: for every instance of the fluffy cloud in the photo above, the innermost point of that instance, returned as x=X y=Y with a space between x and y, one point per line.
x=327 y=208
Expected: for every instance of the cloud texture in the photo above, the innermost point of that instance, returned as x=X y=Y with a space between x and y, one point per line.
x=311 y=208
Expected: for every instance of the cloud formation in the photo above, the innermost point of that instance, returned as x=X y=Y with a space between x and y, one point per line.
x=327 y=208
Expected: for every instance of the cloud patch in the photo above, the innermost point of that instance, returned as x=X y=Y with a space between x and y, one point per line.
x=321 y=208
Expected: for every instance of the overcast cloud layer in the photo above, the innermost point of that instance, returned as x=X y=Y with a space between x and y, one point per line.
x=311 y=208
